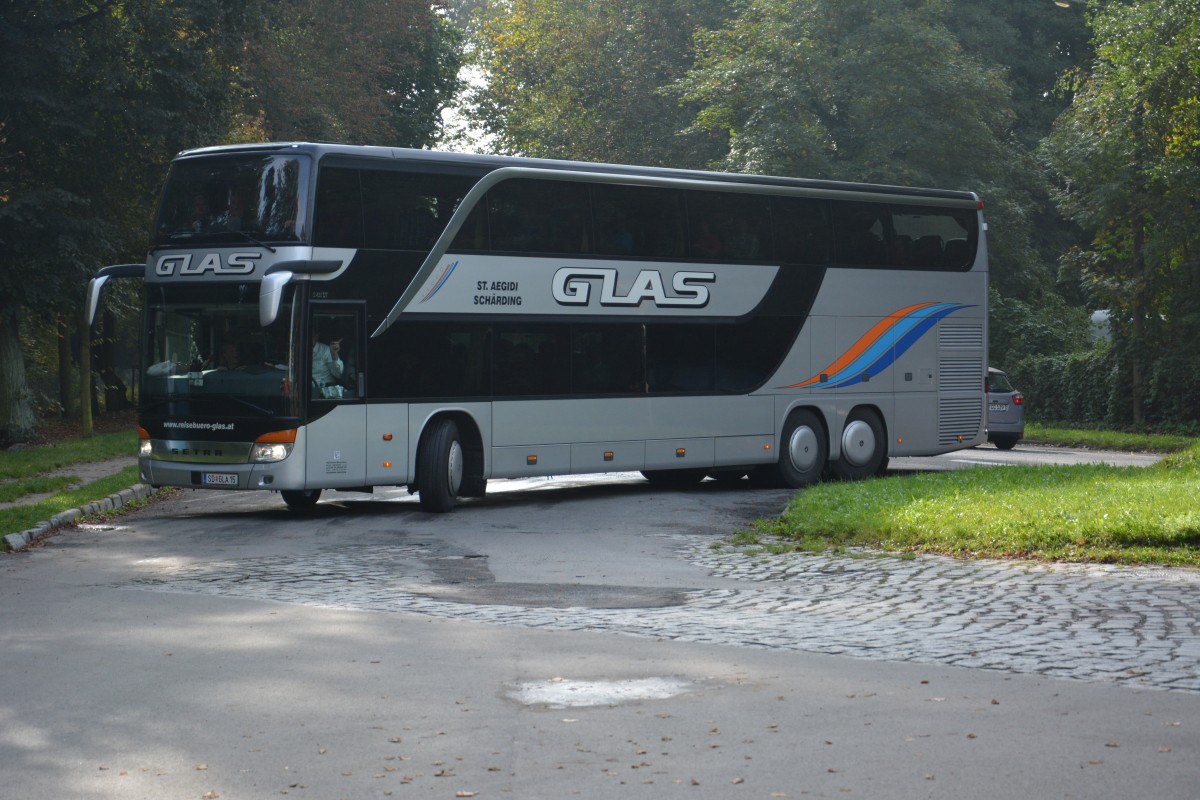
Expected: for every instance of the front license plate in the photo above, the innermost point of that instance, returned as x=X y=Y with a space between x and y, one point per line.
x=219 y=479
x=997 y=406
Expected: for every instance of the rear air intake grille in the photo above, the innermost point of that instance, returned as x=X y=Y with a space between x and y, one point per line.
x=961 y=375
x=959 y=417
x=960 y=336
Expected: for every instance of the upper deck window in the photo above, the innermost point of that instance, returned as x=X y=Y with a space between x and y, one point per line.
x=232 y=199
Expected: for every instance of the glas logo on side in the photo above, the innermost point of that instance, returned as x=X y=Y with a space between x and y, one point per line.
x=573 y=287
x=185 y=264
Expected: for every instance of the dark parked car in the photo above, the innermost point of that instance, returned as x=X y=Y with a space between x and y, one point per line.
x=1006 y=410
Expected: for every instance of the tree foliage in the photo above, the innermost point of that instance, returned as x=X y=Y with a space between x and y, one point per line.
x=578 y=79
x=1127 y=157
x=88 y=89
x=359 y=71
x=97 y=95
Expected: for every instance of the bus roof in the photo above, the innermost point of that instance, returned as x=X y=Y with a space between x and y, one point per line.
x=486 y=163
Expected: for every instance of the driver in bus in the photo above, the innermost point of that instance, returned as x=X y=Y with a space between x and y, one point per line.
x=327 y=366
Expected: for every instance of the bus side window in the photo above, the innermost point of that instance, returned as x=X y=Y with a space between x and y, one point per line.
x=941 y=237
x=728 y=227
x=339 y=212
x=801 y=228
x=861 y=231
x=530 y=216
x=638 y=221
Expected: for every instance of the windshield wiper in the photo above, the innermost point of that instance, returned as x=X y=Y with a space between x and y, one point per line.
x=250 y=238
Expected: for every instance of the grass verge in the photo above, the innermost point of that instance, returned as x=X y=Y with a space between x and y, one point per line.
x=20 y=518
x=23 y=472
x=21 y=464
x=1106 y=440
x=1090 y=513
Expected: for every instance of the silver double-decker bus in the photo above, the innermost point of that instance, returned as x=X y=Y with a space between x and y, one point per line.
x=337 y=317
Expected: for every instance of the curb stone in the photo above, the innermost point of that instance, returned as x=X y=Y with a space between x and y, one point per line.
x=19 y=541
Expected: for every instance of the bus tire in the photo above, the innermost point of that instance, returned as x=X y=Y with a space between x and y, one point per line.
x=804 y=449
x=864 y=447
x=440 y=467
x=301 y=499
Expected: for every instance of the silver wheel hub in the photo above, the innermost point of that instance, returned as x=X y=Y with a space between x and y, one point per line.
x=858 y=443
x=802 y=448
x=454 y=467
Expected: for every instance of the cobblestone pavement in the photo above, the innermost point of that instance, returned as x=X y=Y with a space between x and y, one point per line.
x=1091 y=623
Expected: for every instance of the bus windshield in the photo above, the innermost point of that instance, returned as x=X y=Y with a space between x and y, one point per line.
x=232 y=199
x=206 y=354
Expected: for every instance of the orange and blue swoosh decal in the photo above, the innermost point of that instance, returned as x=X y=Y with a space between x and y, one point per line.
x=878 y=348
x=441 y=281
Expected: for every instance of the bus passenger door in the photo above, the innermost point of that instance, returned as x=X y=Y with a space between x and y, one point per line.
x=336 y=438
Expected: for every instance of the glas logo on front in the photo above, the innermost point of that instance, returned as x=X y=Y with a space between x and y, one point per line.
x=179 y=264
x=573 y=286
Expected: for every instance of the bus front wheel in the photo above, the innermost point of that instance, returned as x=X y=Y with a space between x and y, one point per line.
x=864 y=447
x=301 y=499
x=440 y=467
x=805 y=448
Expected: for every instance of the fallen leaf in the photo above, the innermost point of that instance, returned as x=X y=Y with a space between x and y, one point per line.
x=465 y=793
x=1164 y=749
x=995 y=702
x=1113 y=744
x=736 y=781
x=202 y=767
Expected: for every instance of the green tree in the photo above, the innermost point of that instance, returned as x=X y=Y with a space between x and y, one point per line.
x=870 y=90
x=579 y=79
x=360 y=71
x=87 y=90
x=1127 y=158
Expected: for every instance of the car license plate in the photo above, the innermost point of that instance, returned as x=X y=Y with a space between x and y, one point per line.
x=997 y=406
x=219 y=479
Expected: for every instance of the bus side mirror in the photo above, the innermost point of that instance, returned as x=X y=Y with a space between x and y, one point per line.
x=96 y=285
x=270 y=291
x=270 y=294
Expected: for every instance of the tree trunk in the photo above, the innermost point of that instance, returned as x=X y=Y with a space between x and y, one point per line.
x=68 y=394
x=17 y=421
x=85 y=376
x=1138 y=328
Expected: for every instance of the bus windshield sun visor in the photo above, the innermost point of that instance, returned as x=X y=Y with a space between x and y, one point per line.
x=270 y=292
x=96 y=284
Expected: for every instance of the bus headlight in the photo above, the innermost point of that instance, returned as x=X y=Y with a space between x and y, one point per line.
x=273 y=446
x=266 y=453
x=144 y=447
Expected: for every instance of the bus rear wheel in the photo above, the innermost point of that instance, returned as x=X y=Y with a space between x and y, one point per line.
x=440 y=467
x=301 y=499
x=864 y=447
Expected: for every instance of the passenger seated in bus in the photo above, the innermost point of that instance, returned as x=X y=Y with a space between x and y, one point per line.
x=233 y=217
x=742 y=243
x=201 y=216
x=230 y=357
x=706 y=244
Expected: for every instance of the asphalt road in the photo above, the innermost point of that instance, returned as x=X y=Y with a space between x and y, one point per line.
x=574 y=638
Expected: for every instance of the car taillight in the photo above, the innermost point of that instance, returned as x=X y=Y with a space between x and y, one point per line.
x=1018 y=399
